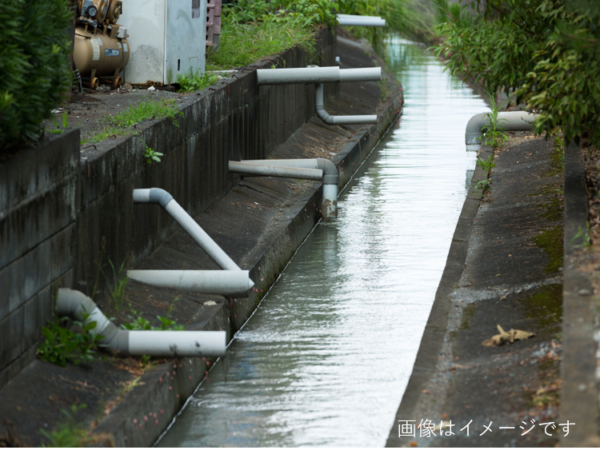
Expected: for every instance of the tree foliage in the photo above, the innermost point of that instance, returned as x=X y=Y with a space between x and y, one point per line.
x=546 y=52
x=34 y=65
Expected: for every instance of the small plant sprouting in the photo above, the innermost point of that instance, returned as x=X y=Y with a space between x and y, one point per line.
x=151 y=155
x=118 y=291
x=138 y=323
x=65 y=124
x=486 y=164
x=69 y=433
x=584 y=234
x=494 y=135
x=483 y=185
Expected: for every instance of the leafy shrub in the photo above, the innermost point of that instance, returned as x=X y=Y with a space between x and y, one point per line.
x=544 y=51
x=34 y=65
x=195 y=82
x=61 y=344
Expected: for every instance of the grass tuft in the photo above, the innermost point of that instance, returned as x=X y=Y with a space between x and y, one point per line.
x=243 y=44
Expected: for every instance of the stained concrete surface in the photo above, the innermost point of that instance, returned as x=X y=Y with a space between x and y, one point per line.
x=504 y=268
x=259 y=223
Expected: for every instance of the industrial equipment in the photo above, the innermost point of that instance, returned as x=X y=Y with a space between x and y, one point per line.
x=101 y=50
x=168 y=38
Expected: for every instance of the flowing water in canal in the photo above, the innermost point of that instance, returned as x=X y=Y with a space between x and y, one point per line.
x=326 y=358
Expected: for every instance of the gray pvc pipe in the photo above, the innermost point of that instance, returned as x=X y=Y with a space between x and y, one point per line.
x=330 y=172
x=267 y=170
x=165 y=199
x=153 y=343
x=220 y=282
x=338 y=120
x=331 y=74
x=365 y=74
x=361 y=21
x=330 y=177
x=508 y=120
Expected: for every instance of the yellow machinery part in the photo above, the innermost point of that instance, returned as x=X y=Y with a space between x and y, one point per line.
x=108 y=56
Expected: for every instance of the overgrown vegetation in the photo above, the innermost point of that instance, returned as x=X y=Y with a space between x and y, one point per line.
x=61 y=344
x=545 y=52
x=34 y=65
x=255 y=29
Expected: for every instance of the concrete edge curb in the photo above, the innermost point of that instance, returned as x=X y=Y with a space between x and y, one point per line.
x=579 y=394
x=435 y=331
x=165 y=396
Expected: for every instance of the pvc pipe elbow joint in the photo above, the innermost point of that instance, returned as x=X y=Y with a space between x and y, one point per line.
x=508 y=120
x=162 y=197
x=153 y=195
x=153 y=343
x=339 y=120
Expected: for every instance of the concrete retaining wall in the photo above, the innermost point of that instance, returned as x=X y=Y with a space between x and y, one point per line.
x=38 y=242
x=64 y=210
x=234 y=119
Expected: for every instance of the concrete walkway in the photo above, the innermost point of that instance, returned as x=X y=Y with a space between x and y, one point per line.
x=504 y=268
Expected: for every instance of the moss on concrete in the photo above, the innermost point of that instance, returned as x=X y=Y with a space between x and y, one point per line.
x=551 y=241
x=545 y=306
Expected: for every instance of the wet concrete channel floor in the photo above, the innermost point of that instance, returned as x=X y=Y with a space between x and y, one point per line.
x=325 y=359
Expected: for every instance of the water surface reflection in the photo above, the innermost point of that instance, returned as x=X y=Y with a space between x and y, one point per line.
x=326 y=358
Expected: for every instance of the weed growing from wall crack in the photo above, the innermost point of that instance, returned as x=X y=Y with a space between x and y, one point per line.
x=486 y=164
x=151 y=155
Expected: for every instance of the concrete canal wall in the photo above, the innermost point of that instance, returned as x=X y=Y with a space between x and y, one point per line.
x=235 y=120
x=63 y=209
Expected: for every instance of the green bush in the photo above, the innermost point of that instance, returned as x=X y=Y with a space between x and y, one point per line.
x=34 y=65
x=546 y=52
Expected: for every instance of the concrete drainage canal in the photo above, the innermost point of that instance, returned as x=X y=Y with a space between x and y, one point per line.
x=326 y=358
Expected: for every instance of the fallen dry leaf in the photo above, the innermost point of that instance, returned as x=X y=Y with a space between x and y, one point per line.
x=504 y=337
